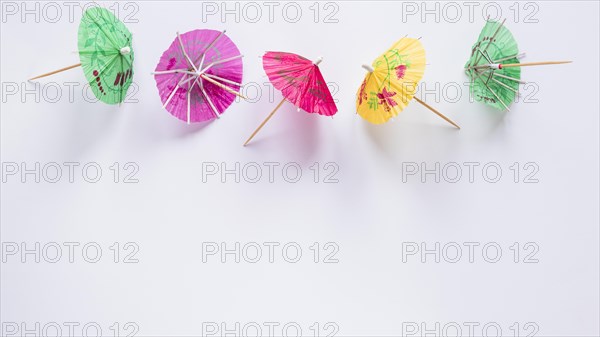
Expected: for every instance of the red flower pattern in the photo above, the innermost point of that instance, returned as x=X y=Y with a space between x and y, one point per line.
x=362 y=95
x=385 y=98
x=400 y=71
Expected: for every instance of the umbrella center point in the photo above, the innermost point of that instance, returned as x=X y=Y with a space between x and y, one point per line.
x=125 y=50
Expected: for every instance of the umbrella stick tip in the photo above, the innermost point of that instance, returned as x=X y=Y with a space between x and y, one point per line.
x=368 y=68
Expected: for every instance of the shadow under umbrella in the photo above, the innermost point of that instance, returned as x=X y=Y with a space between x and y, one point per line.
x=409 y=139
x=300 y=134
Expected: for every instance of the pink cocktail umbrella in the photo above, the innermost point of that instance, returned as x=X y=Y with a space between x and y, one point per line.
x=301 y=83
x=199 y=75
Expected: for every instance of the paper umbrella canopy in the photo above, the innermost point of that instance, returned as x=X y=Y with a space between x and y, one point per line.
x=199 y=75
x=300 y=82
x=391 y=82
x=494 y=68
x=106 y=55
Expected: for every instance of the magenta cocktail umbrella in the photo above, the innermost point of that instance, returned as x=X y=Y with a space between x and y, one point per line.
x=300 y=82
x=199 y=75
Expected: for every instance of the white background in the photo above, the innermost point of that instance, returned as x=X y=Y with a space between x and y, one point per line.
x=368 y=214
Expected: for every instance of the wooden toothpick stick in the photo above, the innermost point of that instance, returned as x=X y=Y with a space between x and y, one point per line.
x=436 y=112
x=510 y=65
x=264 y=122
x=55 y=71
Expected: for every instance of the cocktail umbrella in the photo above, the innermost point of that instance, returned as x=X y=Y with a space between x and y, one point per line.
x=199 y=75
x=494 y=66
x=301 y=83
x=392 y=81
x=106 y=55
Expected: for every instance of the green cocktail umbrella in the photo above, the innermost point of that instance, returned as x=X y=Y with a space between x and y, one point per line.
x=494 y=66
x=106 y=55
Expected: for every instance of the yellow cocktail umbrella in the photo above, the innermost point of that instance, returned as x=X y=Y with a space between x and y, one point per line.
x=391 y=82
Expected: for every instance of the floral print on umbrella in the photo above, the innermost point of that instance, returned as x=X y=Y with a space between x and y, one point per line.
x=362 y=96
x=385 y=98
x=400 y=71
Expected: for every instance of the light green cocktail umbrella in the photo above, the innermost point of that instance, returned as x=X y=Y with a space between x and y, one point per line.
x=106 y=55
x=494 y=66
